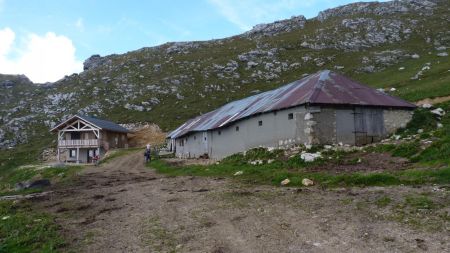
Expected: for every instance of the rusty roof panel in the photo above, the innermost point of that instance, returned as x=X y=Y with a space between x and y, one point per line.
x=324 y=87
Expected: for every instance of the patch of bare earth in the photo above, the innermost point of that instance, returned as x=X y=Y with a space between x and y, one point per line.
x=433 y=101
x=122 y=206
x=142 y=135
x=364 y=162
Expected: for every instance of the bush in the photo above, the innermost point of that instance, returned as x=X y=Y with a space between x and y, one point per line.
x=422 y=119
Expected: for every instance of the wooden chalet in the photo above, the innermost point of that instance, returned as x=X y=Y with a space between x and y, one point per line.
x=81 y=139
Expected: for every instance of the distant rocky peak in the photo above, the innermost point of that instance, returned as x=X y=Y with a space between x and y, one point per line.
x=93 y=62
x=8 y=81
x=270 y=29
x=380 y=8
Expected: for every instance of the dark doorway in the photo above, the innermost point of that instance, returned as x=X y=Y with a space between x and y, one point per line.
x=75 y=135
x=91 y=153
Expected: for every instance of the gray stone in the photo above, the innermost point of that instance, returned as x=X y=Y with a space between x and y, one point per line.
x=33 y=184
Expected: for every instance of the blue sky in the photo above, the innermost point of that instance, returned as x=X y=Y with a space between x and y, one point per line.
x=46 y=39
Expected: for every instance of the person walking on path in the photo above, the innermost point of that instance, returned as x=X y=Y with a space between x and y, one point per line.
x=147 y=153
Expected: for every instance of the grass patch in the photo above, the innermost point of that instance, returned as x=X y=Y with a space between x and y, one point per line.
x=420 y=202
x=24 y=230
x=406 y=149
x=54 y=174
x=161 y=239
x=276 y=172
x=383 y=201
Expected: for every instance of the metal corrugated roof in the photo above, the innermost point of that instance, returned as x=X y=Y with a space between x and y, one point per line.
x=105 y=124
x=324 y=87
x=100 y=123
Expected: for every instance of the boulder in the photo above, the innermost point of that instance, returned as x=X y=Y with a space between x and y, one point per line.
x=310 y=157
x=285 y=182
x=307 y=182
x=33 y=184
x=438 y=111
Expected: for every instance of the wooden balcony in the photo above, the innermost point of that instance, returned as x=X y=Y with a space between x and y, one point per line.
x=78 y=143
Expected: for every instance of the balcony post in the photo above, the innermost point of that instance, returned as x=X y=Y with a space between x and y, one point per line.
x=78 y=155
x=57 y=155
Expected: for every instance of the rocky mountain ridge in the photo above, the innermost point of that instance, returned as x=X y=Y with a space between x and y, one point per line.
x=170 y=83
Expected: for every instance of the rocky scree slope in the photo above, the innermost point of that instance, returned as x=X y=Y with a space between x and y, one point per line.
x=400 y=44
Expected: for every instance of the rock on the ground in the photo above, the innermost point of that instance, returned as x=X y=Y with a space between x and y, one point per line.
x=307 y=182
x=40 y=183
x=310 y=157
x=438 y=111
x=238 y=173
x=285 y=182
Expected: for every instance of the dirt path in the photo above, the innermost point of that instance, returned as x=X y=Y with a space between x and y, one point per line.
x=124 y=207
x=433 y=101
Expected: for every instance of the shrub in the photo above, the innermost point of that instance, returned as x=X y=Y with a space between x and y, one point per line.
x=422 y=119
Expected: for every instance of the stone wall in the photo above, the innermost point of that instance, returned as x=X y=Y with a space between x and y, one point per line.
x=324 y=129
x=395 y=119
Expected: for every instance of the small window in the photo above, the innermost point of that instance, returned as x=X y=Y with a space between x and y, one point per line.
x=73 y=153
x=205 y=138
x=275 y=113
x=260 y=123
x=219 y=132
x=290 y=116
x=237 y=129
x=195 y=137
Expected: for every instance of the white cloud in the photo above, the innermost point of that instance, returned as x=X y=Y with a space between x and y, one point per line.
x=44 y=58
x=79 y=24
x=245 y=14
x=7 y=37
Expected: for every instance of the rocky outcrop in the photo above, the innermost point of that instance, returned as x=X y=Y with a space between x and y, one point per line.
x=93 y=62
x=359 y=33
x=379 y=9
x=287 y=25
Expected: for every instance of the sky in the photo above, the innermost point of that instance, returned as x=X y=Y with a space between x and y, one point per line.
x=48 y=39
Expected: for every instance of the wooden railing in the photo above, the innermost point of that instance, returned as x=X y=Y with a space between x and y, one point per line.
x=78 y=143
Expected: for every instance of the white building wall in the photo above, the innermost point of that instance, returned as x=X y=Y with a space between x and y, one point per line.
x=277 y=130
